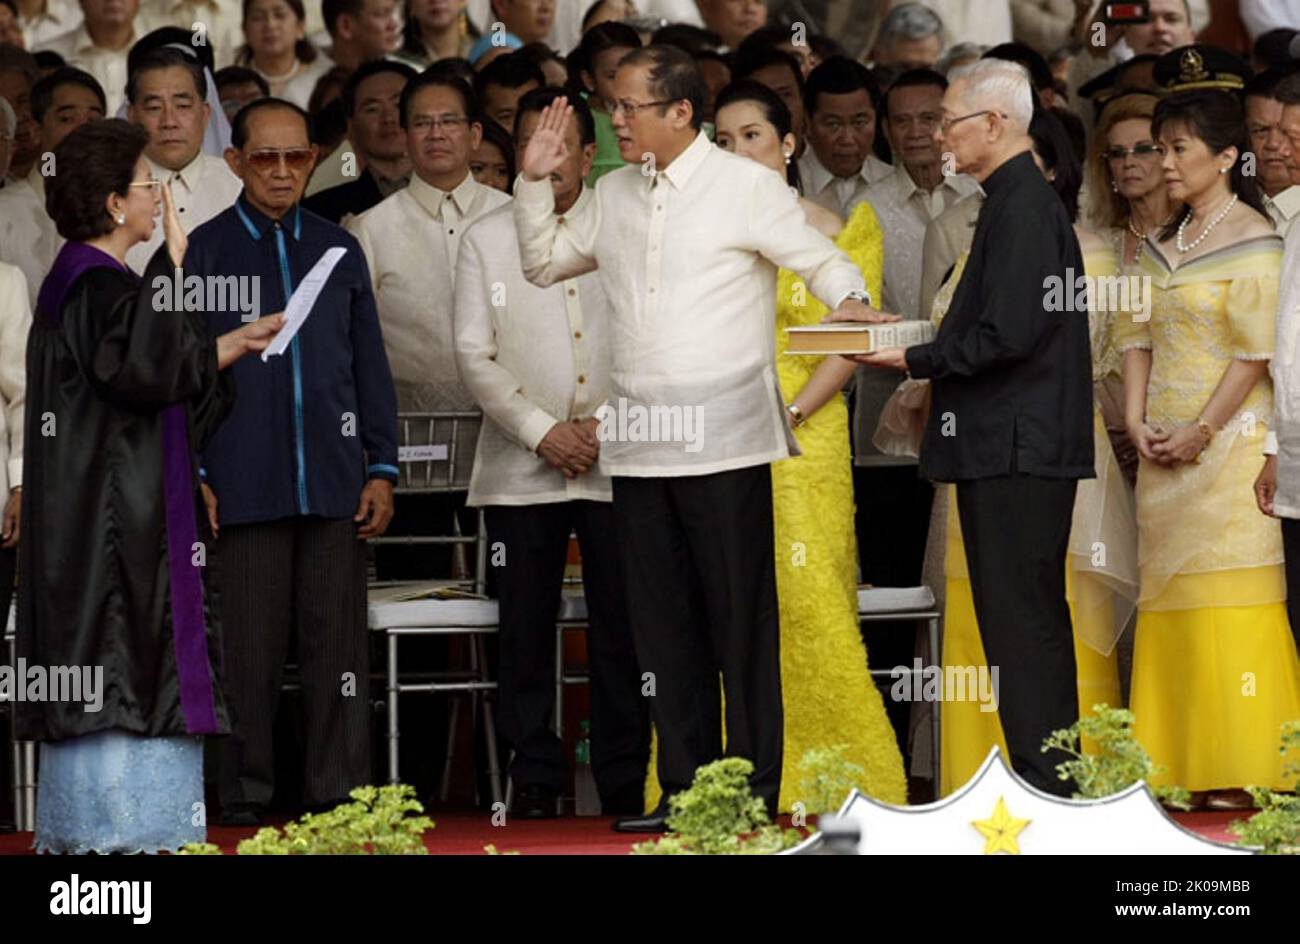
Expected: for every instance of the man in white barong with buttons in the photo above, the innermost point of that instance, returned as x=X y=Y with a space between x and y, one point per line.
x=1277 y=488
x=687 y=239
x=537 y=362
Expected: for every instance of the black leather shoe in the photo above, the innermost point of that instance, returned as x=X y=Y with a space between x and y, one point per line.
x=535 y=801
x=242 y=814
x=625 y=801
x=656 y=822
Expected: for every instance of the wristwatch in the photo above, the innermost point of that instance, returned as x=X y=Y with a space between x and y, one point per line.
x=858 y=296
x=797 y=418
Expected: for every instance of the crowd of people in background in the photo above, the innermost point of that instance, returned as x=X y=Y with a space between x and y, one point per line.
x=263 y=133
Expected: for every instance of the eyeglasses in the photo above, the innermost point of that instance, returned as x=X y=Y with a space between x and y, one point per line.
x=268 y=159
x=154 y=185
x=946 y=124
x=1142 y=152
x=427 y=124
x=629 y=109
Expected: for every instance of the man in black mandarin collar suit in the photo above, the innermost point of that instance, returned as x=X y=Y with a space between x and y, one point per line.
x=1011 y=410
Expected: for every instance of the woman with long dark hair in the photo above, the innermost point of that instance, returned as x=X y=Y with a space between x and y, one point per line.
x=591 y=71
x=437 y=29
x=123 y=391
x=276 y=48
x=493 y=162
x=1215 y=669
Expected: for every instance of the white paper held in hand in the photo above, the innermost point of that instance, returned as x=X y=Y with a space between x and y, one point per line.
x=302 y=300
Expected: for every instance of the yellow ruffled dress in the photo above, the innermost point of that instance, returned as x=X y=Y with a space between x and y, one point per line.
x=1215 y=669
x=1101 y=574
x=828 y=695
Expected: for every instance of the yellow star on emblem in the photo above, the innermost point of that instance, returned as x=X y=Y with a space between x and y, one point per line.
x=1000 y=830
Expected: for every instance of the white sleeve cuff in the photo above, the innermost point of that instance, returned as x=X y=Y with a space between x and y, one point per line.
x=15 y=473
x=535 y=428
x=861 y=294
x=534 y=194
x=1270 y=443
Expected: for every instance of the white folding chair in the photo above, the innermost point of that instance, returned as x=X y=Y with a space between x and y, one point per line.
x=428 y=467
x=915 y=605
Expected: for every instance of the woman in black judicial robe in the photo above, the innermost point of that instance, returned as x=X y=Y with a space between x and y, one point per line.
x=116 y=639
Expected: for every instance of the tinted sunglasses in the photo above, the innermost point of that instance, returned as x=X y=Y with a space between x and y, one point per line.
x=269 y=158
x=1140 y=151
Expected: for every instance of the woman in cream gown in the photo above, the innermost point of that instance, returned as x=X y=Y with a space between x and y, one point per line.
x=828 y=695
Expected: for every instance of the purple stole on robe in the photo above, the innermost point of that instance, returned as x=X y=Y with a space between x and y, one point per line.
x=189 y=630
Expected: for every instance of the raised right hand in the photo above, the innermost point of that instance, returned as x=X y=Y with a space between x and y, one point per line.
x=546 y=149
x=173 y=232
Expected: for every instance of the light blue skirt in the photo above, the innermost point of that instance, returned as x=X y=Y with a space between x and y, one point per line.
x=119 y=792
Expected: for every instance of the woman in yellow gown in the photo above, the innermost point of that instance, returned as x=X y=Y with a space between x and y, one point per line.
x=829 y=697
x=1101 y=565
x=1215 y=669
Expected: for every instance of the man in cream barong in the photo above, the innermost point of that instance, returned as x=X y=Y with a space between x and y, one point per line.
x=1277 y=489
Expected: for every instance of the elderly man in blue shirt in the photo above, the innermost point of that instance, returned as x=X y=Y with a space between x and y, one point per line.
x=300 y=474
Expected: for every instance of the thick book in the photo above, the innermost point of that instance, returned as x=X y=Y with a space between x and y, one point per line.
x=847 y=337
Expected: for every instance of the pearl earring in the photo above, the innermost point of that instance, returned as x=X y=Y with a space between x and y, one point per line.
x=1114 y=187
x=121 y=219
x=1223 y=170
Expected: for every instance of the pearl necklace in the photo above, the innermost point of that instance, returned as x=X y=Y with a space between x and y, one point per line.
x=1209 y=227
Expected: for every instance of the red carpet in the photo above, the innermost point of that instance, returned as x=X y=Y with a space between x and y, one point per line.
x=456 y=833
x=461 y=833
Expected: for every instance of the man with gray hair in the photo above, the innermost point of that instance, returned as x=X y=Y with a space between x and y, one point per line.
x=1011 y=408
x=911 y=37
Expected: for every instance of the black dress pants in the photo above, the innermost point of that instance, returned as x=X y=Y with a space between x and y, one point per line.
x=1016 y=530
x=1291 y=553
x=308 y=574
x=8 y=568
x=535 y=542
x=701 y=579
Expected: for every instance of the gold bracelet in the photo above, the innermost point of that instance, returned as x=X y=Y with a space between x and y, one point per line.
x=796 y=415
